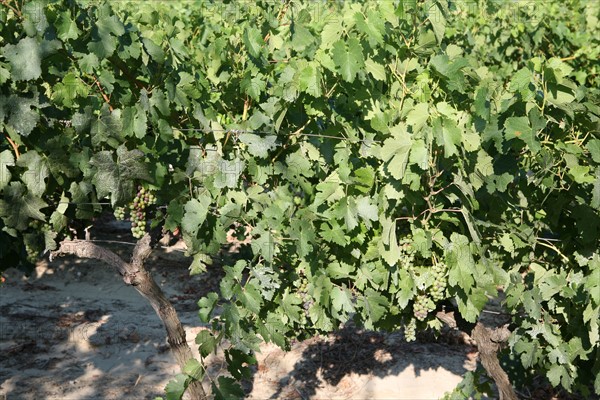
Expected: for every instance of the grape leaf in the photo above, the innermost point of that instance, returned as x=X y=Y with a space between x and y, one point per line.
x=176 y=387
x=333 y=234
x=521 y=80
x=303 y=233
x=239 y=363
x=482 y=103
x=253 y=86
x=250 y=297
x=558 y=374
x=227 y=389
x=319 y=318
x=461 y=264
x=438 y=21
x=207 y=342
x=25 y=59
x=301 y=38
x=595 y=203
x=104 y=47
x=36 y=174
x=366 y=210
x=194 y=369
x=341 y=300
x=395 y=152
x=417 y=117
x=23 y=118
x=6 y=160
x=375 y=69
x=346 y=209
x=375 y=305
x=66 y=27
x=593 y=147
x=253 y=41
x=329 y=190
x=373 y=26
x=116 y=178
x=289 y=305
x=348 y=58
x=330 y=33
x=110 y=23
x=392 y=254
x=18 y=206
x=206 y=306
x=309 y=80
x=407 y=288
x=135 y=121
x=69 y=89
x=450 y=137
x=195 y=214
x=518 y=127
x=258 y=146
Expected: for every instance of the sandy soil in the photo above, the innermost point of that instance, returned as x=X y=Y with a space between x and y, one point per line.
x=73 y=330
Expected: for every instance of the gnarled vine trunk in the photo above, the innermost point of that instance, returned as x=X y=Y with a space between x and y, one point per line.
x=136 y=275
x=489 y=342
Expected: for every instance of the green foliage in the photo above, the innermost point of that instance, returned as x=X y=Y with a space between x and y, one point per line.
x=385 y=157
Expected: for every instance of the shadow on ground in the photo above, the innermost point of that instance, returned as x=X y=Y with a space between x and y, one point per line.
x=354 y=363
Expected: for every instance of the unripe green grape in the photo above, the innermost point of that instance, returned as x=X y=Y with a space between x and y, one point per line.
x=120 y=213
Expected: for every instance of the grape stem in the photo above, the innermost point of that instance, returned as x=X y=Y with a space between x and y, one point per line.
x=14 y=146
x=104 y=96
x=14 y=9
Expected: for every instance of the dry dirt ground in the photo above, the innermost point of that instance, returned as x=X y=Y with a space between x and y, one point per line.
x=73 y=330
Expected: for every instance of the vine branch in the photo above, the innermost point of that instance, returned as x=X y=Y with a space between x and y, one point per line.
x=134 y=274
x=489 y=342
x=14 y=9
x=14 y=145
x=104 y=96
x=246 y=108
x=85 y=249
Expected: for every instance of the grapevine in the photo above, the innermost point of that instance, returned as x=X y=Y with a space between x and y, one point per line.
x=362 y=146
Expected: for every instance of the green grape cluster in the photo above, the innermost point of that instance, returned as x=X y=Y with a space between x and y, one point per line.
x=137 y=211
x=120 y=213
x=438 y=289
x=422 y=306
x=410 y=330
x=32 y=254
x=306 y=299
x=34 y=240
x=407 y=252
